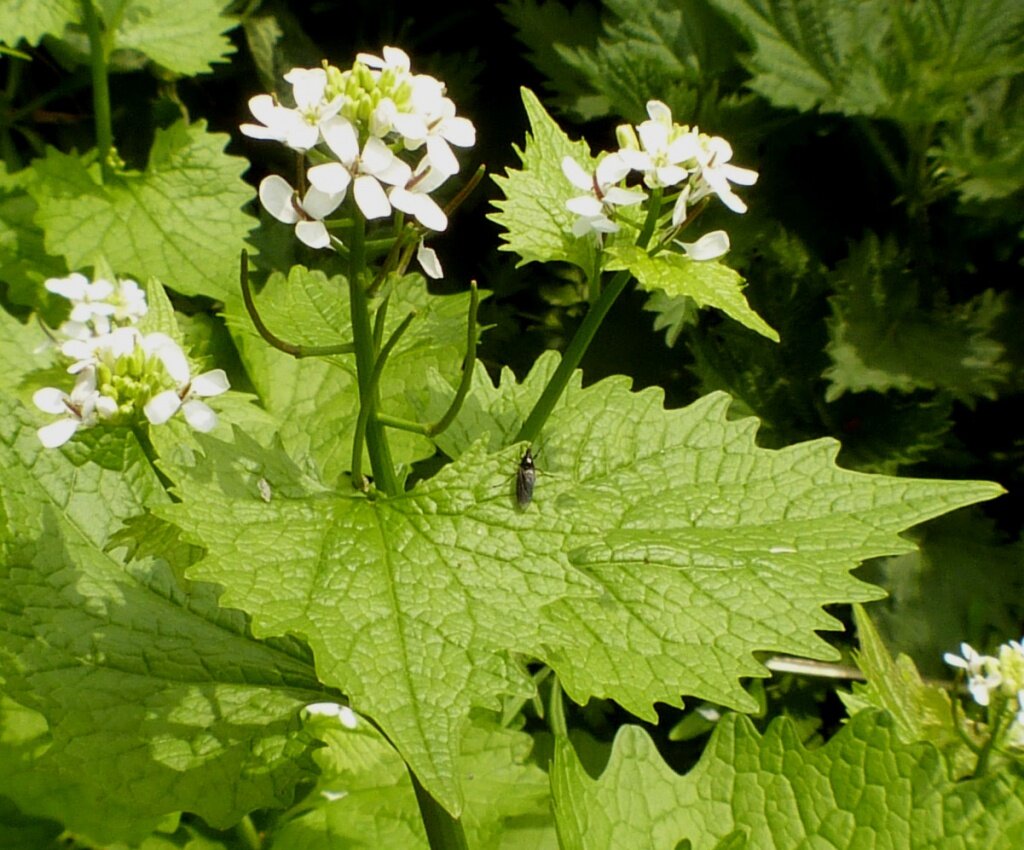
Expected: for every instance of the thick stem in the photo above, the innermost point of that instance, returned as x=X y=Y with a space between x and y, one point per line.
x=531 y=428
x=362 y=339
x=443 y=831
x=100 y=88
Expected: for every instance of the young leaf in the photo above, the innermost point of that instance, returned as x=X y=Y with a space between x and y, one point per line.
x=864 y=782
x=707 y=282
x=180 y=220
x=919 y=712
x=536 y=224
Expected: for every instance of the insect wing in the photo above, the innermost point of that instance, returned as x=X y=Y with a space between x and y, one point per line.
x=526 y=477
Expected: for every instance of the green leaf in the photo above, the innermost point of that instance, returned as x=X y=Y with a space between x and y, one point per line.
x=364 y=797
x=911 y=62
x=863 y=788
x=708 y=282
x=706 y=548
x=184 y=36
x=180 y=220
x=24 y=265
x=156 y=700
x=316 y=399
x=919 y=712
x=32 y=19
x=536 y=225
x=882 y=339
x=410 y=605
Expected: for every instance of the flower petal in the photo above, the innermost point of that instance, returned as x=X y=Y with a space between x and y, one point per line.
x=210 y=383
x=431 y=265
x=276 y=195
x=371 y=198
x=162 y=407
x=341 y=138
x=709 y=247
x=199 y=415
x=313 y=233
x=58 y=433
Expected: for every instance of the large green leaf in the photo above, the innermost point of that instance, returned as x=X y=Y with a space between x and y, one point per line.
x=155 y=700
x=32 y=19
x=704 y=547
x=180 y=220
x=864 y=788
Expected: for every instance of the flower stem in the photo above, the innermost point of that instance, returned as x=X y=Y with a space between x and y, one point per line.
x=578 y=345
x=100 y=88
x=362 y=339
x=468 y=367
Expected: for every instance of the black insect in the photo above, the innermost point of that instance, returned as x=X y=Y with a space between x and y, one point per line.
x=526 y=477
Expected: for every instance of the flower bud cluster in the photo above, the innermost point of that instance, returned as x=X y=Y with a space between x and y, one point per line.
x=996 y=679
x=377 y=130
x=668 y=156
x=120 y=373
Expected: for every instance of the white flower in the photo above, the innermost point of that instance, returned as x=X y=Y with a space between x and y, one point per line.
x=164 y=405
x=395 y=59
x=716 y=173
x=414 y=197
x=710 y=246
x=346 y=716
x=278 y=199
x=603 y=195
x=297 y=128
x=82 y=408
x=982 y=672
x=661 y=148
x=90 y=307
x=435 y=124
x=365 y=170
x=129 y=301
x=88 y=352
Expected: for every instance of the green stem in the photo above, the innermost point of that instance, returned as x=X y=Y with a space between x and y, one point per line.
x=100 y=88
x=469 y=366
x=364 y=409
x=362 y=339
x=403 y=424
x=531 y=428
x=294 y=350
x=248 y=834
x=443 y=831
x=141 y=432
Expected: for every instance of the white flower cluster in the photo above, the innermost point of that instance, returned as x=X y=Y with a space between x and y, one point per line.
x=1001 y=676
x=668 y=155
x=118 y=370
x=358 y=125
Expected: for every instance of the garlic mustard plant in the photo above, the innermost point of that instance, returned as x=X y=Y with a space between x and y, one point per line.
x=122 y=376
x=359 y=129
